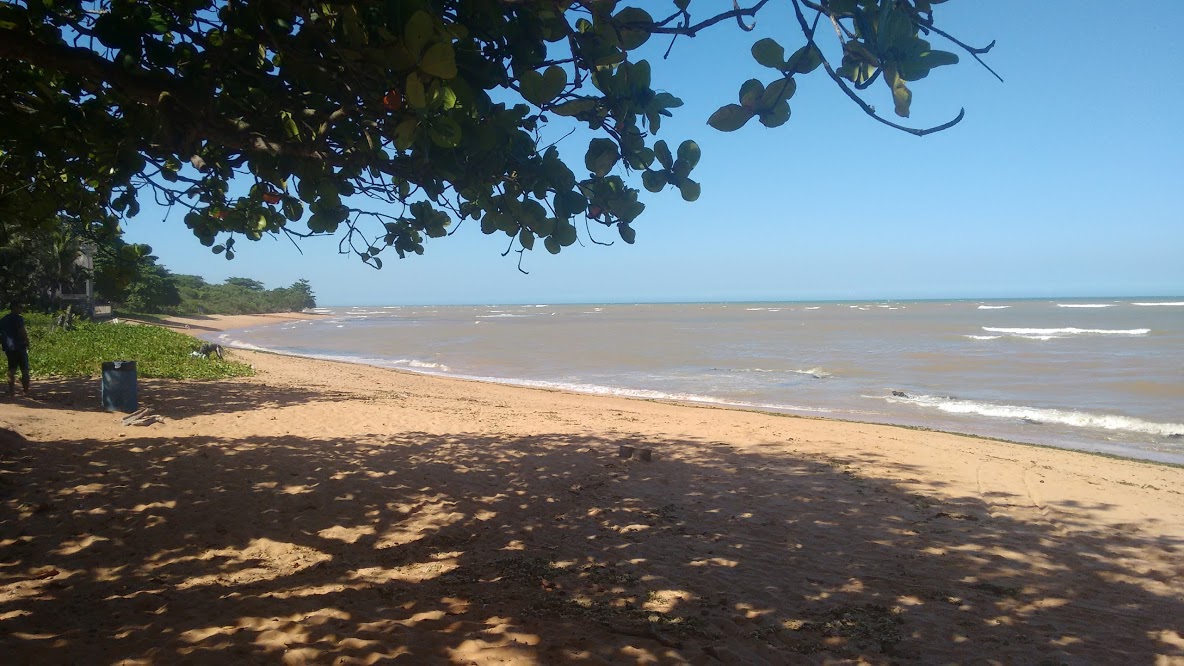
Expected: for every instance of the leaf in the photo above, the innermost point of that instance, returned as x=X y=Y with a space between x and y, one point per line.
x=439 y=61
x=601 y=156
x=293 y=209
x=552 y=245
x=568 y=203
x=776 y=116
x=689 y=153
x=405 y=133
x=575 y=106
x=662 y=152
x=769 y=53
x=414 y=91
x=689 y=190
x=290 y=128
x=444 y=132
x=804 y=60
x=531 y=85
x=628 y=234
x=778 y=91
x=565 y=233
x=554 y=80
x=750 y=93
x=730 y=118
x=902 y=97
x=633 y=36
x=527 y=239
x=418 y=32
x=654 y=181
x=937 y=58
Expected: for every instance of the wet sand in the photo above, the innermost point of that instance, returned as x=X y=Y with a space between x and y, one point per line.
x=331 y=513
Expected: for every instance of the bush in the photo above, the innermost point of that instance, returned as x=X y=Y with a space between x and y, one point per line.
x=158 y=352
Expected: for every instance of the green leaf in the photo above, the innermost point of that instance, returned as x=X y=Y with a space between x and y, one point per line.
x=776 y=116
x=293 y=209
x=750 y=93
x=418 y=32
x=531 y=85
x=290 y=128
x=552 y=245
x=439 y=61
x=689 y=190
x=902 y=97
x=638 y=34
x=769 y=53
x=554 y=81
x=778 y=91
x=804 y=60
x=568 y=203
x=416 y=97
x=565 y=233
x=601 y=156
x=653 y=181
x=444 y=132
x=575 y=106
x=730 y=118
x=689 y=153
x=405 y=134
x=662 y=152
x=628 y=234
x=527 y=239
x=937 y=58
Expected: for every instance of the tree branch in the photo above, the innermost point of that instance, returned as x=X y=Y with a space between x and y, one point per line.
x=689 y=31
x=859 y=100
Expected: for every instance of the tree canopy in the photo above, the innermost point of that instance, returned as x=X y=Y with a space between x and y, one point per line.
x=389 y=122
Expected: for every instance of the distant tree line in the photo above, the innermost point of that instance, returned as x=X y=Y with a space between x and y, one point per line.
x=42 y=270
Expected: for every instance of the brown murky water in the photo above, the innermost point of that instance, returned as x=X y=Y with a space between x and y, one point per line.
x=1102 y=374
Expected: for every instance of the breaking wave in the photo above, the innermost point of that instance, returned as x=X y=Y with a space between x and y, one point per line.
x=1052 y=333
x=1113 y=422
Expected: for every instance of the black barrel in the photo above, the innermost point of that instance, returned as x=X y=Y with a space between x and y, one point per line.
x=119 y=386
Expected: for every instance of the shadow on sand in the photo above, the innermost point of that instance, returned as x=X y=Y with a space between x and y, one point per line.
x=442 y=549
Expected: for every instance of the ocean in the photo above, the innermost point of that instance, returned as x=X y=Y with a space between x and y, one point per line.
x=1103 y=375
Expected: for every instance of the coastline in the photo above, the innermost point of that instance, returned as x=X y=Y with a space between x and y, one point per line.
x=449 y=519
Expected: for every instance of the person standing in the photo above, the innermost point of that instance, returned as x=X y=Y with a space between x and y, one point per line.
x=14 y=338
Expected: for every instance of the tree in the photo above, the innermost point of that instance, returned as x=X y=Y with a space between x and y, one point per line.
x=245 y=283
x=38 y=266
x=154 y=290
x=253 y=115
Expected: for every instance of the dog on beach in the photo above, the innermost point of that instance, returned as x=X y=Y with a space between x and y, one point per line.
x=209 y=350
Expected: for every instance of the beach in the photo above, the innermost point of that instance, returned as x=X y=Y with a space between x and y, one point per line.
x=327 y=512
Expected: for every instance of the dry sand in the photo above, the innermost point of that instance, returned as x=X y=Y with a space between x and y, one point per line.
x=331 y=513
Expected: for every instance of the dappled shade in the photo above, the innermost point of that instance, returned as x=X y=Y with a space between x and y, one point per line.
x=549 y=547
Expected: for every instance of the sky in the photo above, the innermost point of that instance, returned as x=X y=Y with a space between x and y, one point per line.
x=1064 y=180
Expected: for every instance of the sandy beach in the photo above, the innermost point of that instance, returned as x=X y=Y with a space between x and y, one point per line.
x=331 y=513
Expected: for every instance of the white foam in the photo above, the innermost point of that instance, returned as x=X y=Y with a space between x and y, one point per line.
x=1085 y=305
x=1113 y=422
x=502 y=315
x=813 y=307
x=1175 y=303
x=993 y=307
x=983 y=337
x=1048 y=333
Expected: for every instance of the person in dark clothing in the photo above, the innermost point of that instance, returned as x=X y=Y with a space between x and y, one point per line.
x=14 y=338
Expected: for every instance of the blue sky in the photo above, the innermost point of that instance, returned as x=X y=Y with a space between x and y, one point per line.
x=1063 y=181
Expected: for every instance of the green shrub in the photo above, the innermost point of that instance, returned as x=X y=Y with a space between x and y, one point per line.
x=158 y=352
